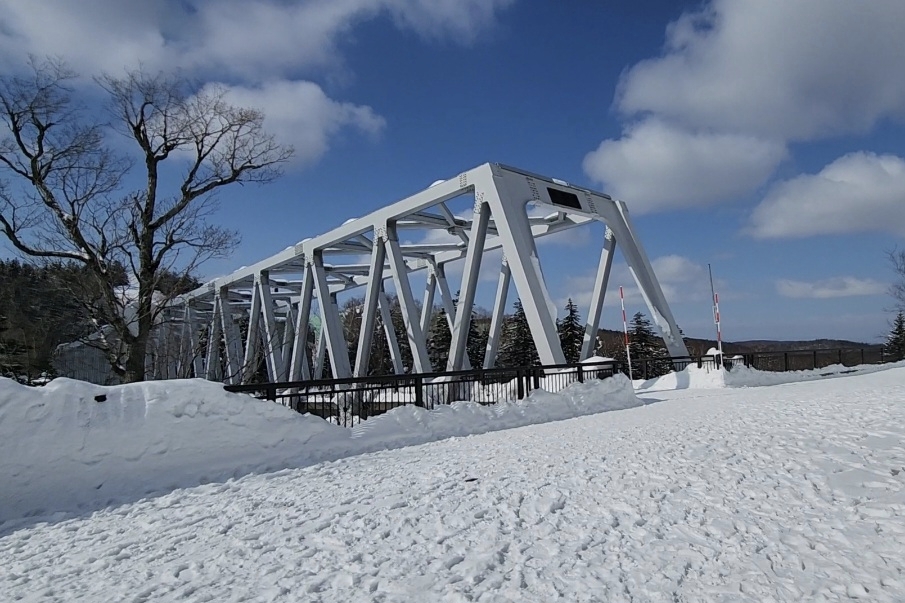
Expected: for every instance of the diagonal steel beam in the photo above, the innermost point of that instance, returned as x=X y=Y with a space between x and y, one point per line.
x=595 y=309
x=407 y=302
x=473 y=258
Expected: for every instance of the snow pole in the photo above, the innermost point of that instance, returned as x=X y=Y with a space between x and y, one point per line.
x=628 y=356
x=716 y=318
x=719 y=332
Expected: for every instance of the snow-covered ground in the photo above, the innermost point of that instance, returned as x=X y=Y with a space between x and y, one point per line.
x=786 y=493
x=73 y=446
x=742 y=376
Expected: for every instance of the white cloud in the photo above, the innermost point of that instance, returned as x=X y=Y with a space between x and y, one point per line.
x=461 y=20
x=92 y=35
x=677 y=269
x=264 y=49
x=302 y=115
x=736 y=82
x=252 y=39
x=656 y=166
x=842 y=286
x=681 y=279
x=858 y=192
x=776 y=69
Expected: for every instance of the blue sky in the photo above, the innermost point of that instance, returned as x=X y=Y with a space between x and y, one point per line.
x=764 y=138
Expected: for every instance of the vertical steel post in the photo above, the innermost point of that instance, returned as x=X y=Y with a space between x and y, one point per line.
x=427 y=307
x=195 y=342
x=298 y=366
x=497 y=316
x=232 y=337
x=595 y=310
x=212 y=367
x=288 y=339
x=369 y=310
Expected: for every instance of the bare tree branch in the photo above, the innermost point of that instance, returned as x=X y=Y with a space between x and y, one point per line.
x=65 y=199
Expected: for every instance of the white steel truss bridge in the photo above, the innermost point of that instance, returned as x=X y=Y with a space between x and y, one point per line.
x=278 y=299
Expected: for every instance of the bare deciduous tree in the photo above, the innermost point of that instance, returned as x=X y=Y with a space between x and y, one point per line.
x=67 y=195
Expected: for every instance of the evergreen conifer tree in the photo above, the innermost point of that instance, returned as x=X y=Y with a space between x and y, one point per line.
x=571 y=333
x=477 y=341
x=405 y=349
x=439 y=342
x=895 y=343
x=517 y=347
x=647 y=351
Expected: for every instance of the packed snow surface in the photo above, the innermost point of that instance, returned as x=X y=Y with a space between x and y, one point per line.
x=783 y=493
x=72 y=445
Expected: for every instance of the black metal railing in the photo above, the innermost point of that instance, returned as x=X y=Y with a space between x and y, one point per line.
x=802 y=360
x=352 y=400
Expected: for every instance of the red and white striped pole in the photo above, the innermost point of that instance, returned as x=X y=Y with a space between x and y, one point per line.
x=628 y=355
x=716 y=319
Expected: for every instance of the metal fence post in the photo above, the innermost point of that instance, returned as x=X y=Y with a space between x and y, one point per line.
x=520 y=383
x=815 y=358
x=580 y=374
x=785 y=361
x=419 y=391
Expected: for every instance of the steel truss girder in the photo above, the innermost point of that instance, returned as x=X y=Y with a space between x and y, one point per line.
x=277 y=293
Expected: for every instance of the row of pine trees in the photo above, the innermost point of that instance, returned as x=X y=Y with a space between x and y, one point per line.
x=516 y=348
x=39 y=311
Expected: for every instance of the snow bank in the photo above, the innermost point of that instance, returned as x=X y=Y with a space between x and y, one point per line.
x=690 y=377
x=742 y=376
x=412 y=425
x=72 y=445
x=693 y=377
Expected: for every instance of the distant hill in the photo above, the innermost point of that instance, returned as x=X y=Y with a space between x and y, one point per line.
x=613 y=340
x=766 y=345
